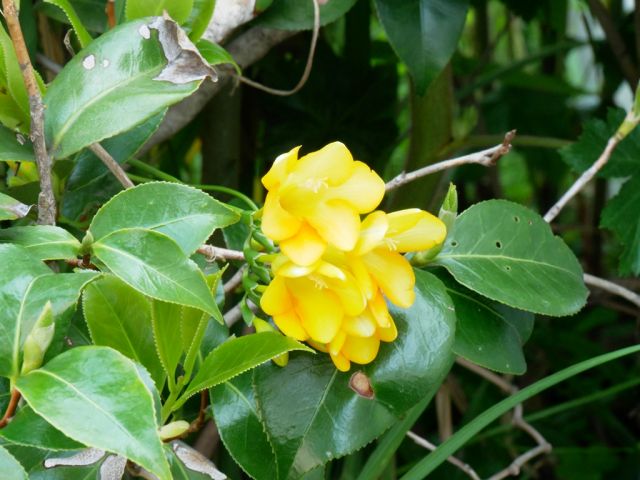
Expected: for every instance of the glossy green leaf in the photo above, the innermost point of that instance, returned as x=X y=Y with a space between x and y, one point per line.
x=119 y=317
x=199 y=18
x=506 y=252
x=165 y=318
x=237 y=355
x=187 y=215
x=44 y=242
x=592 y=141
x=179 y=10
x=65 y=5
x=106 y=404
x=324 y=420
x=17 y=271
x=488 y=333
x=298 y=14
x=90 y=182
x=29 y=429
x=121 y=79
x=216 y=54
x=15 y=83
x=621 y=217
x=154 y=264
x=425 y=466
x=14 y=147
x=424 y=34
x=11 y=209
x=10 y=468
x=91 y=13
x=237 y=418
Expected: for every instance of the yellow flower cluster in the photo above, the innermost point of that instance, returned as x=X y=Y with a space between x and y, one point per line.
x=335 y=269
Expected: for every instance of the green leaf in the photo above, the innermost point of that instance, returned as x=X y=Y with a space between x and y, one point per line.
x=90 y=182
x=424 y=34
x=488 y=333
x=154 y=264
x=298 y=14
x=83 y=36
x=620 y=215
x=91 y=13
x=10 y=467
x=425 y=466
x=44 y=242
x=216 y=54
x=15 y=83
x=592 y=141
x=237 y=355
x=165 y=318
x=506 y=252
x=12 y=209
x=14 y=147
x=119 y=317
x=187 y=215
x=179 y=10
x=120 y=80
x=17 y=270
x=324 y=420
x=95 y=395
x=29 y=429
x=199 y=18
x=10 y=114
x=237 y=418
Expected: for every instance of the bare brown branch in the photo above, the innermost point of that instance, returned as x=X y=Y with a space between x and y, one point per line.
x=423 y=442
x=113 y=166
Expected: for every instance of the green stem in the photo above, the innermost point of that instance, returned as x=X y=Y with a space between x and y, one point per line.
x=429 y=463
x=145 y=167
x=229 y=191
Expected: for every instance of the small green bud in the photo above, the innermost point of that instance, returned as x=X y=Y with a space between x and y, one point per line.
x=449 y=209
x=173 y=430
x=38 y=340
x=87 y=242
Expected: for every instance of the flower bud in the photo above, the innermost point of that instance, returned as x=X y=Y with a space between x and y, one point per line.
x=173 y=430
x=38 y=340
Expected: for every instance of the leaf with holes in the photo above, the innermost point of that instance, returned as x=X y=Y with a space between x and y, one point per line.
x=154 y=264
x=309 y=426
x=488 y=333
x=12 y=209
x=424 y=34
x=107 y=405
x=44 y=242
x=508 y=253
x=119 y=317
x=120 y=80
x=10 y=467
x=187 y=215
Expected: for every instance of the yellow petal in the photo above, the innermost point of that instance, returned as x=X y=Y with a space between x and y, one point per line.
x=379 y=311
x=277 y=223
x=341 y=362
x=332 y=163
x=336 y=344
x=362 y=276
x=413 y=230
x=276 y=299
x=350 y=295
x=372 y=232
x=290 y=325
x=305 y=247
x=363 y=190
x=321 y=347
x=337 y=223
x=388 y=334
x=393 y=274
x=319 y=309
x=361 y=350
x=281 y=167
x=362 y=325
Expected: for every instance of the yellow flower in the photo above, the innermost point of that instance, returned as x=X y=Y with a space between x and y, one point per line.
x=317 y=200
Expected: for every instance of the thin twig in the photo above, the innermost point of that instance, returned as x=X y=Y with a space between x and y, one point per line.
x=612 y=288
x=307 y=68
x=218 y=253
x=486 y=158
x=11 y=408
x=584 y=178
x=199 y=421
x=517 y=421
x=232 y=316
x=231 y=284
x=46 y=198
x=466 y=468
x=49 y=64
x=113 y=166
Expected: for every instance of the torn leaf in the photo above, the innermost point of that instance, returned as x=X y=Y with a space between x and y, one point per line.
x=197 y=462
x=185 y=64
x=113 y=467
x=82 y=458
x=12 y=209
